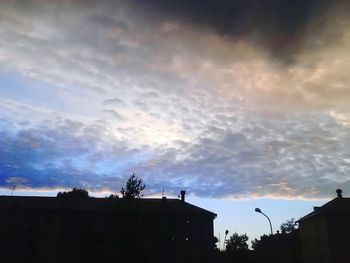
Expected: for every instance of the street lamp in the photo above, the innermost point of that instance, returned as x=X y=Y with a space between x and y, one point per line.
x=259 y=211
x=226 y=232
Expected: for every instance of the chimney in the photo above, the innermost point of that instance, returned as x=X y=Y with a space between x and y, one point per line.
x=339 y=193
x=183 y=193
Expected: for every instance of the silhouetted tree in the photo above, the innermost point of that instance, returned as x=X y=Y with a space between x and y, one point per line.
x=289 y=226
x=133 y=188
x=237 y=242
x=113 y=196
x=74 y=193
x=277 y=248
x=257 y=243
x=215 y=240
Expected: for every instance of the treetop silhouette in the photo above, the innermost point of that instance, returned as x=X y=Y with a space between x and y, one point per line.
x=289 y=226
x=237 y=242
x=74 y=193
x=133 y=188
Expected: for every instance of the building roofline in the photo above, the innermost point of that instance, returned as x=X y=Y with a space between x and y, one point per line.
x=323 y=209
x=74 y=203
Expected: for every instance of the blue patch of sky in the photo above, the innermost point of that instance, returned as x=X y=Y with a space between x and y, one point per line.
x=21 y=192
x=239 y=215
x=6 y=171
x=117 y=165
x=108 y=165
x=6 y=125
x=26 y=90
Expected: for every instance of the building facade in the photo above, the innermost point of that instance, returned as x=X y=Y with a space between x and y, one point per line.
x=325 y=232
x=52 y=229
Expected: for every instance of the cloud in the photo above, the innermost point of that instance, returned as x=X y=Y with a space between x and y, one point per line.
x=115 y=114
x=260 y=161
x=113 y=102
x=82 y=158
x=277 y=25
x=249 y=100
x=16 y=180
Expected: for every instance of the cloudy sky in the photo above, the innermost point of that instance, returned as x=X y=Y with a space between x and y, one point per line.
x=230 y=100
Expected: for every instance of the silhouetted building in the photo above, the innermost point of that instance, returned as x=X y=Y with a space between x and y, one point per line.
x=325 y=232
x=52 y=229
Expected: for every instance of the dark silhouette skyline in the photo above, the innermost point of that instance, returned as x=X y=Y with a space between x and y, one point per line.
x=74 y=227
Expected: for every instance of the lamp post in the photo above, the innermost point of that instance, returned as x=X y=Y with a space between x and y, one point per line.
x=259 y=211
x=226 y=232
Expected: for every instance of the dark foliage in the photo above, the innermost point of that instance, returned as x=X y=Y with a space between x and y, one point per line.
x=237 y=242
x=278 y=248
x=133 y=188
x=289 y=226
x=215 y=241
x=74 y=193
x=259 y=243
x=113 y=196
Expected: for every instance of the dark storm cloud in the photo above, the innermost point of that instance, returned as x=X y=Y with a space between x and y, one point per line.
x=276 y=24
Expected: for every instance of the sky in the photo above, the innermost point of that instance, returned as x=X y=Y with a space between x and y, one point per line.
x=240 y=103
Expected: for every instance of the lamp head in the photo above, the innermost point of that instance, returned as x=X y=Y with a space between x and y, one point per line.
x=257 y=210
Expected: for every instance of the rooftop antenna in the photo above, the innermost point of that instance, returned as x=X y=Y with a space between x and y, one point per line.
x=16 y=180
x=163 y=193
x=13 y=189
